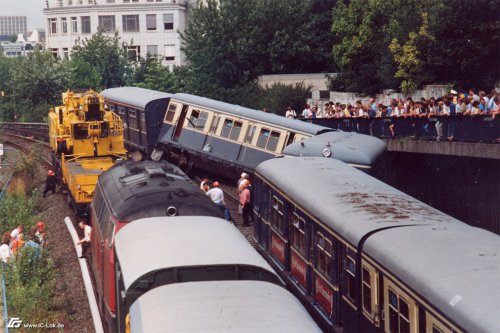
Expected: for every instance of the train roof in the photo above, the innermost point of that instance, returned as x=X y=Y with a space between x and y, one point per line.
x=259 y=116
x=144 y=189
x=356 y=149
x=455 y=267
x=151 y=244
x=134 y=96
x=344 y=199
x=220 y=306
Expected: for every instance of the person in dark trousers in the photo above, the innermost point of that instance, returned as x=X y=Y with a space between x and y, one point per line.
x=50 y=183
x=245 y=202
x=85 y=241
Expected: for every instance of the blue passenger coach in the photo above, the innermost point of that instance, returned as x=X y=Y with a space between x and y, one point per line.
x=141 y=111
x=227 y=138
x=365 y=257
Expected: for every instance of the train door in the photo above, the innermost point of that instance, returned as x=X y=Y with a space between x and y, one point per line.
x=214 y=123
x=180 y=123
x=247 y=141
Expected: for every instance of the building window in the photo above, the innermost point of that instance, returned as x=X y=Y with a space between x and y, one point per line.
x=168 y=21
x=150 y=22
x=107 y=23
x=134 y=52
x=169 y=52
x=70 y=2
x=74 y=24
x=130 y=23
x=85 y=24
x=110 y=1
x=53 y=26
x=55 y=53
x=64 y=25
x=65 y=53
x=152 y=50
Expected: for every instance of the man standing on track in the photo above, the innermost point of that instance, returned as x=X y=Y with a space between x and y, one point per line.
x=245 y=202
x=50 y=183
x=85 y=241
x=217 y=196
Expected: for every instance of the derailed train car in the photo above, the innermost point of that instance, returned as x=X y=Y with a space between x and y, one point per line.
x=365 y=257
x=199 y=274
x=226 y=138
x=223 y=138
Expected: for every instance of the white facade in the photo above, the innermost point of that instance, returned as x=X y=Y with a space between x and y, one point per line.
x=13 y=25
x=146 y=26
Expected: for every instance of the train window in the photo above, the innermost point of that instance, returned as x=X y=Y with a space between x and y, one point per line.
x=435 y=326
x=104 y=219
x=350 y=270
x=298 y=233
x=250 y=133
x=369 y=292
x=268 y=139
x=366 y=290
x=198 y=120
x=169 y=116
x=324 y=258
x=121 y=111
x=231 y=129
x=133 y=121
x=263 y=137
x=277 y=220
x=80 y=131
x=272 y=144
x=142 y=117
x=110 y=230
x=399 y=319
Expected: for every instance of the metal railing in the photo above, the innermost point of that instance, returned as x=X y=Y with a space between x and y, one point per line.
x=484 y=129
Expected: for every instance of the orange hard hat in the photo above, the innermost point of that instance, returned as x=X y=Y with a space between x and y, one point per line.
x=216 y=184
x=40 y=225
x=50 y=173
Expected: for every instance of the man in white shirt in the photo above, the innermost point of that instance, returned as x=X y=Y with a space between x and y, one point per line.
x=306 y=113
x=290 y=113
x=15 y=233
x=217 y=196
x=85 y=241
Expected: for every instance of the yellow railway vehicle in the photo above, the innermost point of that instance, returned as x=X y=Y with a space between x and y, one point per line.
x=86 y=139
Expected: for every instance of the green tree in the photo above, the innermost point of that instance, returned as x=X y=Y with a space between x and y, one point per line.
x=409 y=57
x=230 y=43
x=151 y=74
x=37 y=80
x=467 y=43
x=363 y=33
x=277 y=97
x=107 y=56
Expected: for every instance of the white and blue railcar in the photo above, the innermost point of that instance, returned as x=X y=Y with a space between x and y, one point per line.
x=188 y=252
x=365 y=257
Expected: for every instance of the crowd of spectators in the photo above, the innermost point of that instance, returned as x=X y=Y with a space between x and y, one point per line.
x=452 y=104
x=15 y=244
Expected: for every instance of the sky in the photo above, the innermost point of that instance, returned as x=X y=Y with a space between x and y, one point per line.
x=30 y=8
